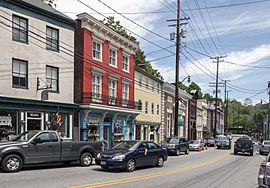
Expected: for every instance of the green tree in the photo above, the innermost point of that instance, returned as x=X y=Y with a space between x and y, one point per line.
x=50 y=2
x=208 y=97
x=140 y=58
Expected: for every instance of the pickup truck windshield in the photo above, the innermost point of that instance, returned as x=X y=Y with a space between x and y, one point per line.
x=24 y=137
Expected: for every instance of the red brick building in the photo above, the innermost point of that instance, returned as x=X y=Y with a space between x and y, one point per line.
x=104 y=81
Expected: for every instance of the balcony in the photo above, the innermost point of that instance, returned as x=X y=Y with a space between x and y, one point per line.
x=96 y=98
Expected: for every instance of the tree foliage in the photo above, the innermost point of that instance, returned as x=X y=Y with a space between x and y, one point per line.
x=50 y=2
x=140 y=58
x=192 y=88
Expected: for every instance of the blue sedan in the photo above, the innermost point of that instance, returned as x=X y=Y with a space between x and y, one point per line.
x=128 y=155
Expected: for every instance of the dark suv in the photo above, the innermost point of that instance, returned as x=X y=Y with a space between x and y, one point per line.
x=175 y=145
x=244 y=145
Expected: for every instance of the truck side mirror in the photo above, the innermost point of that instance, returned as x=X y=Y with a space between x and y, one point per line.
x=37 y=141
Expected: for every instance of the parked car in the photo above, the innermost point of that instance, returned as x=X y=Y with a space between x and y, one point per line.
x=129 y=155
x=210 y=142
x=243 y=145
x=196 y=145
x=175 y=145
x=33 y=147
x=262 y=172
x=223 y=143
x=265 y=147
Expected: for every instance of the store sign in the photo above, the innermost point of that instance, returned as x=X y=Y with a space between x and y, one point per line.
x=33 y=115
x=94 y=120
x=5 y=121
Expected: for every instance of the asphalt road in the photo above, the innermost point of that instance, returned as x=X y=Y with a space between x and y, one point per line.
x=211 y=168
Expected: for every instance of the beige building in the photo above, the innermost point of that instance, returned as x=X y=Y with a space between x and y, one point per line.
x=148 y=93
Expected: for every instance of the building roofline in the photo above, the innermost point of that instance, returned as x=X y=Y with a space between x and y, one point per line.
x=62 y=18
x=147 y=74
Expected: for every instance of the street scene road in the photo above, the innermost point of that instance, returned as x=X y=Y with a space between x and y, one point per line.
x=209 y=168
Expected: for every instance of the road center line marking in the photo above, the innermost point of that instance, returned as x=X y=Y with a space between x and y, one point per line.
x=152 y=175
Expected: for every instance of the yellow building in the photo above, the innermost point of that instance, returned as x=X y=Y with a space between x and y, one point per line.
x=148 y=92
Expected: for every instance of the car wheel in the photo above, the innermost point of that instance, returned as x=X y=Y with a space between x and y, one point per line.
x=131 y=165
x=251 y=153
x=187 y=151
x=235 y=152
x=12 y=163
x=177 y=152
x=160 y=162
x=86 y=159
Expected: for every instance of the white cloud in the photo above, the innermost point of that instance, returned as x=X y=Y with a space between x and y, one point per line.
x=67 y=6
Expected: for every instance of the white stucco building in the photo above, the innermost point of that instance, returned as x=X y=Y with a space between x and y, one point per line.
x=37 y=45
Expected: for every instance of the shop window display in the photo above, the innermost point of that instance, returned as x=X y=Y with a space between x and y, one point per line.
x=7 y=125
x=118 y=133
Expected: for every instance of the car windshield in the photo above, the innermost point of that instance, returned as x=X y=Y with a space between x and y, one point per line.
x=194 y=142
x=267 y=143
x=172 y=140
x=24 y=137
x=128 y=145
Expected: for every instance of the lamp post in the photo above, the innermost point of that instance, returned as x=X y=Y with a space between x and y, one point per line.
x=187 y=77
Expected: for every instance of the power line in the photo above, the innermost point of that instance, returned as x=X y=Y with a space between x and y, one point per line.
x=134 y=21
x=230 y=5
x=250 y=66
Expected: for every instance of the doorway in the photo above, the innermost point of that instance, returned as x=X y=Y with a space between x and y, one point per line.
x=106 y=136
x=33 y=124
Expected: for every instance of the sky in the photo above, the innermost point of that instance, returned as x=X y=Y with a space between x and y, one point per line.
x=239 y=30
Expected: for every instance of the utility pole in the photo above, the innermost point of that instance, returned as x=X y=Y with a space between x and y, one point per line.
x=216 y=98
x=226 y=108
x=177 y=70
x=179 y=35
x=268 y=118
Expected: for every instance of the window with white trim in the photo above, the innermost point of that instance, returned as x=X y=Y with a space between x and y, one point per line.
x=146 y=107
x=96 y=87
x=140 y=81
x=146 y=84
x=157 y=109
x=112 y=91
x=169 y=121
x=19 y=73
x=158 y=88
x=52 y=78
x=153 y=108
x=97 y=48
x=52 y=39
x=153 y=86
x=125 y=93
x=113 y=58
x=125 y=63
x=19 y=29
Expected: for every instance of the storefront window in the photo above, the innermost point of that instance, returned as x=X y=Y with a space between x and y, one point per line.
x=7 y=125
x=93 y=128
x=59 y=121
x=118 y=133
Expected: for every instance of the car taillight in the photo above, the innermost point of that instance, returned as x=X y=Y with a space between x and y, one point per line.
x=263 y=165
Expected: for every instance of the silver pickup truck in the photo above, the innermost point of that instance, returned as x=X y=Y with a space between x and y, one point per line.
x=36 y=147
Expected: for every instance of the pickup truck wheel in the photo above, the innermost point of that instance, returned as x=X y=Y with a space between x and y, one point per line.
x=177 y=152
x=86 y=159
x=12 y=163
x=187 y=151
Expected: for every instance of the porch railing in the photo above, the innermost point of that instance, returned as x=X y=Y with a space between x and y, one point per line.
x=96 y=98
